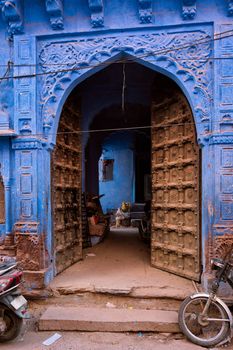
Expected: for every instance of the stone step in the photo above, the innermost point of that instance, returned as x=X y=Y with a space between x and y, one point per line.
x=57 y=318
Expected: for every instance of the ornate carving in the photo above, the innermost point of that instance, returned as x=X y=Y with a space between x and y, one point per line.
x=30 y=227
x=30 y=249
x=222 y=245
x=20 y=143
x=189 y=9
x=145 y=11
x=25 y=126
x=55 y=11
x=12 y=14
x=97 y=13
x=79 y=56
x=226 y=123
x=30 y=246
x=230 y=8
x=221 y=139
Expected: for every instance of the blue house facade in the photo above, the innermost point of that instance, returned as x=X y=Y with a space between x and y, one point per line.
x=64 y=75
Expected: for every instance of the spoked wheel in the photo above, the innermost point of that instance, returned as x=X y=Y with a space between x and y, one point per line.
x=205 y=330
x=12 y=325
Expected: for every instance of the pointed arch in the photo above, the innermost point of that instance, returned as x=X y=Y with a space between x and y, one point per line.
x=65 y=64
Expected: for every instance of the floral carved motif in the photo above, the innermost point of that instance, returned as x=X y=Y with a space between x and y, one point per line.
x=97 y=13
x=145 y=11
x=223 y=245
x=189 y=9
x=184 y=54
x=55 y=10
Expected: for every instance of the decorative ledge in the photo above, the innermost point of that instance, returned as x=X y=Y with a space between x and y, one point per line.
x=189 y=9
x=221 y=139
x=54 y=9
x=230 y=8
x=8 y=132
x=12 y=14
x=145 y=11
x=226 y=124
x=97 y=13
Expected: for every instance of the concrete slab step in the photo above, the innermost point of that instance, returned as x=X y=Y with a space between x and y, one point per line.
x=108 y=320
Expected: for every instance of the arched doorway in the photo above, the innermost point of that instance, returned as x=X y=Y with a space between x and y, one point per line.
x=175 y=240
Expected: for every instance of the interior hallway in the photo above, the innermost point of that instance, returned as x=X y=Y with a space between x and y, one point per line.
x=120 y=265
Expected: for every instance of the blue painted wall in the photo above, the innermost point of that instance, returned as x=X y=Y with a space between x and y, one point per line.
x=25 y=156
x=119 y=147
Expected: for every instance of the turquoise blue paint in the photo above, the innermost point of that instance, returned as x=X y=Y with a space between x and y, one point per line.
x=120 y=148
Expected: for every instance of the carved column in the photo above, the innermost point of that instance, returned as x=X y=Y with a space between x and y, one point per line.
x=32 y=168
x=218 y=162
x=31 y=207
x=7 y=246
x=8 y=211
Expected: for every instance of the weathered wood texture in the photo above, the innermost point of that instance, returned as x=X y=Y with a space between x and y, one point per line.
x=175 y=185
x=66 y=190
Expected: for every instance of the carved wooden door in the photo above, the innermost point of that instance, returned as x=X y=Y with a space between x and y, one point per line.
x=66 y=190
x=175 y=185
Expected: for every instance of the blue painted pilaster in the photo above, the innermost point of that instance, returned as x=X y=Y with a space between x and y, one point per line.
x=32 y=173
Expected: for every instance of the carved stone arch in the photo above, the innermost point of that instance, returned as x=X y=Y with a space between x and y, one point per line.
x=182 y=56
x=2 y=201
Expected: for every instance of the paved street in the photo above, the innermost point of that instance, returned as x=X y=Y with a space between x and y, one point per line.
x=101 y=341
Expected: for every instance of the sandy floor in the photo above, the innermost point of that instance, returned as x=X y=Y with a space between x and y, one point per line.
x=120 y=264
x=102 y=341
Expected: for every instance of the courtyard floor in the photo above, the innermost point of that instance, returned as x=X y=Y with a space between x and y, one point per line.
x=120 y=265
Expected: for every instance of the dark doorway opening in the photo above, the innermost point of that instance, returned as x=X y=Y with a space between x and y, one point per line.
x=139 y=126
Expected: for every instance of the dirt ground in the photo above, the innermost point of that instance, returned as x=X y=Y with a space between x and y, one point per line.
x=101 y=341
x=120 y=265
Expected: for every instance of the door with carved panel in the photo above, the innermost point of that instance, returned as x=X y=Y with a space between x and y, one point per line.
x=66 y=189
x=175 y=245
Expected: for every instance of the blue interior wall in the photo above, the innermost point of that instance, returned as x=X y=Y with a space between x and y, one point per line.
x=119 y=147
x=104 y=90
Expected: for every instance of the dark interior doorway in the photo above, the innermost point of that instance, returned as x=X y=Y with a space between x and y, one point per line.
x=151 y=112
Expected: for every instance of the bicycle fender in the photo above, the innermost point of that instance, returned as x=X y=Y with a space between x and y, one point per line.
x=218 y=300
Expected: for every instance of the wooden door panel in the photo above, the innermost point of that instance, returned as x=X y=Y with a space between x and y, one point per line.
x=66 y=190
x=175 y=245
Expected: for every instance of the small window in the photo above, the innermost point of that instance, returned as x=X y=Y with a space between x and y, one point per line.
x=107 y=170
x=2 y=202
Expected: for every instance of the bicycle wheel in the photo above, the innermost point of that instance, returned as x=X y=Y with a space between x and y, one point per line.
x=207 y=330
